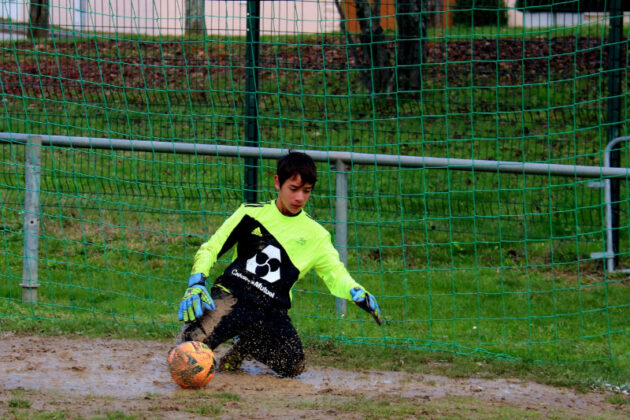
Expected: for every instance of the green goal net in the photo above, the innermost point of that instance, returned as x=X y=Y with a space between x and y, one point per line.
x=508 y=264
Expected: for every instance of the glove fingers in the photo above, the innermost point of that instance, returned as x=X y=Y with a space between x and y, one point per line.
x=372 y=303
x=189 y=315
x=187 y=309
x=207 y=300
x=376 y=311
x=377 y=317
x=209 y=303
x=196 y=300
x=196 y=303
x=180 y=311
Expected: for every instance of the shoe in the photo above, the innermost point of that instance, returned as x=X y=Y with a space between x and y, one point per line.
x=232 y=360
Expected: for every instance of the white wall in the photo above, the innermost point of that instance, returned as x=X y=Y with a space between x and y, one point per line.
x=544 y=20
x=166 y=17
x=277 y=17
x=13 y=9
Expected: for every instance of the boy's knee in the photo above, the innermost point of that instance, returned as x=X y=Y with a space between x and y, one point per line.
x=291 y=367
x=298 y=368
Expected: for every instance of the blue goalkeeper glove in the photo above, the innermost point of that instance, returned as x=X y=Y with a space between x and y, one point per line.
x=195 y=300
x=367 y=302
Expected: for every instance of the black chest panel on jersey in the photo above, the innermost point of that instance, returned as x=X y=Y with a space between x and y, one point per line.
x=262 y=270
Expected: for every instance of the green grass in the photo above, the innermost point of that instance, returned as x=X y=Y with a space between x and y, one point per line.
x=377 y=408
x=205 y=410
x=18 y=403
x=116 y=415
x=394 y=407
x=133 y=273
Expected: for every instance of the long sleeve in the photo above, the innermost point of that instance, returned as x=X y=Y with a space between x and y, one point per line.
x=334 y=273
x=222 y=240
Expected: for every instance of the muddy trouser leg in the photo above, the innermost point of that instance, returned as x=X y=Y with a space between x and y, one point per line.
x=267 y=336
x=271 y=339
x=216 y=326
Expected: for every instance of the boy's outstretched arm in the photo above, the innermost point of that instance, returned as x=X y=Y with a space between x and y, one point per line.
x=196 y=298
x=341 y=284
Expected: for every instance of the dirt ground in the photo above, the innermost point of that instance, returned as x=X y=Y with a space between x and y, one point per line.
x=62 y=377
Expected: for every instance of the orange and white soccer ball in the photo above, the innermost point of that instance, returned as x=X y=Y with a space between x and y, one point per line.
x=192 y=364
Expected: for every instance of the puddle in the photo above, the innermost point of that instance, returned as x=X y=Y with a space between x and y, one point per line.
x=127 y=369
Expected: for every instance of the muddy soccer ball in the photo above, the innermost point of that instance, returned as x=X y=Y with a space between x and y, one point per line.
x=192 y=364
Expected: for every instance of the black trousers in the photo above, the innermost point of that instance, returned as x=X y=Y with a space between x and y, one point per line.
x=266 y=335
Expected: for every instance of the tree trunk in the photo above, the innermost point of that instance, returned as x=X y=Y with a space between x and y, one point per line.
x=411 y=34
x=195 y=17
x=38 y=18
x=375 y=57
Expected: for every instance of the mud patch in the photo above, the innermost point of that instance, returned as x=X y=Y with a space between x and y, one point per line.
x=96 y=375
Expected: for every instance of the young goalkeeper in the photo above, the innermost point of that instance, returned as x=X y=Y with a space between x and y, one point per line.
x=277 y=243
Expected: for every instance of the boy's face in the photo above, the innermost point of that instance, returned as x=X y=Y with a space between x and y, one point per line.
x=292 y=195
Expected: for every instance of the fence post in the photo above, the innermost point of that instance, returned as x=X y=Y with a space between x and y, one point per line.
x=252 y=53
x=80 y=14
x=341 y=220
x=615 y=67
x=32 y=176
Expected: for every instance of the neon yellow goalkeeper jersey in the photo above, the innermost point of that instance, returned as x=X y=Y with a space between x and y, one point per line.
x=273 y=252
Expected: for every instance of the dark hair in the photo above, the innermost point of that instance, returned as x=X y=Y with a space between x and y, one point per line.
x=297 y=163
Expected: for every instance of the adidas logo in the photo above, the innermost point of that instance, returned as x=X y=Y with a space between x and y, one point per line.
x=257 y=232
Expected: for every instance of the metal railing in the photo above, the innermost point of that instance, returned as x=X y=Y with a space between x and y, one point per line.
x=341 y=162
x=609 y=255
